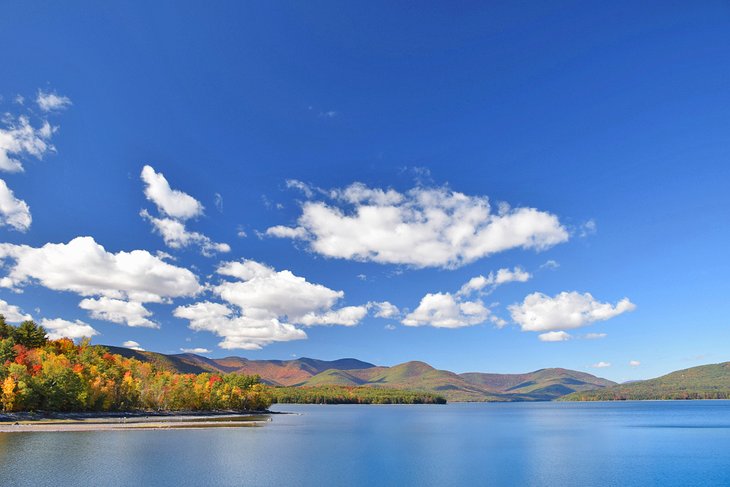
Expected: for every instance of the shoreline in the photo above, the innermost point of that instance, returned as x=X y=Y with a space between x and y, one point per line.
x=133 y=420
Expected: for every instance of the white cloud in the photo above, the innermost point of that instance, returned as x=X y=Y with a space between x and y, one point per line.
x=447 y=310
x=171 y=202
x=424 y=227
x=442 y=310
x=282 y=231
x=554 y=336
x=13 y=211
x=49 y=101
x=601 y=365
x=178 y=207
x=301 y=186
x=59 y=328
x=176 y=236
x=390 y=327
x=270 y=304
x=133 y=345
x=550 y=264
x=84 y=267
x=502 y=276
x=634 y=363
x=385 y=309
x=595 y=336
x=19 y=139
x=262 y=290
x=237 y=331
x=347 y=316
x=498 y=322
x=129 y=313
x=588 y=228
x=12 y=313
x=195 y=350
x=567 y=310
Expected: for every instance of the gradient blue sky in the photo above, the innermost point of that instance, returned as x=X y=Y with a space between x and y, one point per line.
x=615 y=114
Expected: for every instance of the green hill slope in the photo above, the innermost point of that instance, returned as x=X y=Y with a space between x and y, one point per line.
x=543 y=384
x=703 y=382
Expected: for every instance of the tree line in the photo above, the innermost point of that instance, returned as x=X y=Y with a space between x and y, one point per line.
x=38 y=374
x=352 y=395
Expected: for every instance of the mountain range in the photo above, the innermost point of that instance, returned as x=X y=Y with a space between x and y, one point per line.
x=540 y=385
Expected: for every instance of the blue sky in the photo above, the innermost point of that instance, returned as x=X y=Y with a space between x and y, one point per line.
x=603 y=127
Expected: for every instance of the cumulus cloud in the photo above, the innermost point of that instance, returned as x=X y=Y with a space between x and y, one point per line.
x=502 y=276
x=14 y=212
x=133 y=345
x=50 y=101
x=601 y=365
x=554 y=336
x=84 y=267
x=269 y=306
x=238 y=331
x=634 y=363
x=176 y=236
x=447 y=310
x=129 y=313
x=195 y=350
x=385 y=309
x=19 y=139
x=424 y=227
x=171 y=202
x=178 y=207
x=443 y=310
x=12 y=313
x=567 y=310
x=59 y=328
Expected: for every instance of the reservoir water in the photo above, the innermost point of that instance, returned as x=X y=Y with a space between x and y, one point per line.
x=678 y=443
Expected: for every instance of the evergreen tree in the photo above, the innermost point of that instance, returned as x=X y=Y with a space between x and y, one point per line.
x=30 y=335
x=6 y=331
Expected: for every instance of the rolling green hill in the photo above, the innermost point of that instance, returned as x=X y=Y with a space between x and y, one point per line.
x=703 y=382
x=543 y=384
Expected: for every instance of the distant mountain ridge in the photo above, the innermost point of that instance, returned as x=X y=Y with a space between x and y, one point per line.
x=540 y=385
x=703 y=382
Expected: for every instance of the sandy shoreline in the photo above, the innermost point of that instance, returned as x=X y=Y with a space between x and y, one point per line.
x=25 y=423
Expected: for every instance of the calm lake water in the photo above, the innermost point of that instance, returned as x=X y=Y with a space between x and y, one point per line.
x=561 y=444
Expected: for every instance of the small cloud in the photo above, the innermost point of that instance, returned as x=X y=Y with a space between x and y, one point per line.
x=329 y=114
x=133 y=345
x=550 y=264
x=390 y=327
x=498 y=322
x=19 y=99
x=554 y=336
x=588 y=228
x=305 y=188
x=219 y=202
x=195 y=350
x=362 y=277
x=49 y=101
x=601 y=365
x=634 y=363
x=595 y=336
